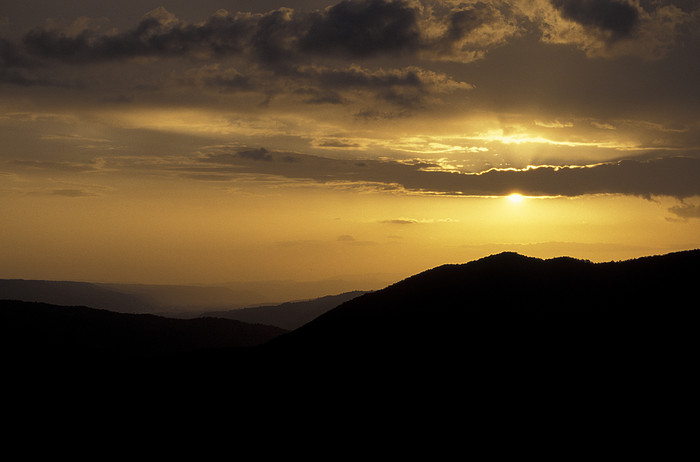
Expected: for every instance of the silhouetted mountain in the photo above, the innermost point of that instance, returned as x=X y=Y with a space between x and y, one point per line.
x=174 y=299
x=171 y=300
x=510 y=302
x=504 y=341
x=289 y=315
x=128 y=298
x=39 y=334
x=74 y=293
x=509 y=327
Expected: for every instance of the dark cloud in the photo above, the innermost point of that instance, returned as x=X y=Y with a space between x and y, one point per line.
x=355 y=28
x=684 y=5
x=462 y=22
x=231 y=82
x=402 y=87
x=351 y=28
x=10 y=55
x=14 y=65
x=369 y=115
x=615 y=16
x=674 y=176
x=275 y=37
x=363 y=28
x=316 y=96
x=405 y=87
x=159 y=33
x=256 y=154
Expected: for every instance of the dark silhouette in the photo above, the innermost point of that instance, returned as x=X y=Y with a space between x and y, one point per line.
x=289 y=315
x=40 y=335
x=515 y=313
x=556 y=349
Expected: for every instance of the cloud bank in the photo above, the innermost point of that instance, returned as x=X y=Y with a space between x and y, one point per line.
x=436 y=30
x=673 y=176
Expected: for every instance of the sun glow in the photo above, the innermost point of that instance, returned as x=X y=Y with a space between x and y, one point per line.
x=515 y=198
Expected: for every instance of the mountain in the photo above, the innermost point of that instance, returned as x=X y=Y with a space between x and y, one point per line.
x=128 y=298
x=74 y=293
x=520 y=353
x=289 y=315
x=508 y=299
x=511 y=328
x=38 y=335
x=174 y=300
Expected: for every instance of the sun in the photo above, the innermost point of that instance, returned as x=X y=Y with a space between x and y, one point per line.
x=515 y=198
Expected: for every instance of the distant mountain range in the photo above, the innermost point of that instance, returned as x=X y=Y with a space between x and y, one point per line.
x=126 y=298
x=505 y=331
x=289 y=315
x=181 y=301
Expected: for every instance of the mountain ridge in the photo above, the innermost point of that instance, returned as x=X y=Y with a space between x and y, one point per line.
x=509 y=287
x=288 y=315
x=503 y=313
x=40 y=334
x=505 y=341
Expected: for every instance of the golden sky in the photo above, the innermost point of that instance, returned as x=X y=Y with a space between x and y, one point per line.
x=211 y=141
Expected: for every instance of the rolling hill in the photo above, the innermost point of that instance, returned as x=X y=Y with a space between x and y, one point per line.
x=505 y=327
x=36 y=335
x=289 y=315
x=508 y=318
x=167 y=300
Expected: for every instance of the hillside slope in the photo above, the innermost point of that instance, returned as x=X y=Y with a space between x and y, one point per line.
x=39 y=334
x=511 y=312
x=289 y=315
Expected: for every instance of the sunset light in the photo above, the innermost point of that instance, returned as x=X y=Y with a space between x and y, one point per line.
x=309 y=140
x=515 y=198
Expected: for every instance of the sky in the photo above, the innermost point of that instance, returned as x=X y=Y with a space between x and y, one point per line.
x=211 y=141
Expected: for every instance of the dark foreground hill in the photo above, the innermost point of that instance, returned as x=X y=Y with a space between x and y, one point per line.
x=36 y=335
x=510 y=349
x=512 y=306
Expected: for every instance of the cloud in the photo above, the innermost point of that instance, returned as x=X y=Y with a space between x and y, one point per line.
x=466 y=31
x=401 y=221
x=363 y=28
x=349 y=29
x=256 y=154
x=159 y=33
x=56 y=166
x=15 y=66
x=287 y=43
x=686 y=211
x=673 y=176
x=405 y=87
x=617 y=17
x=72 y=193
x=615 y=28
